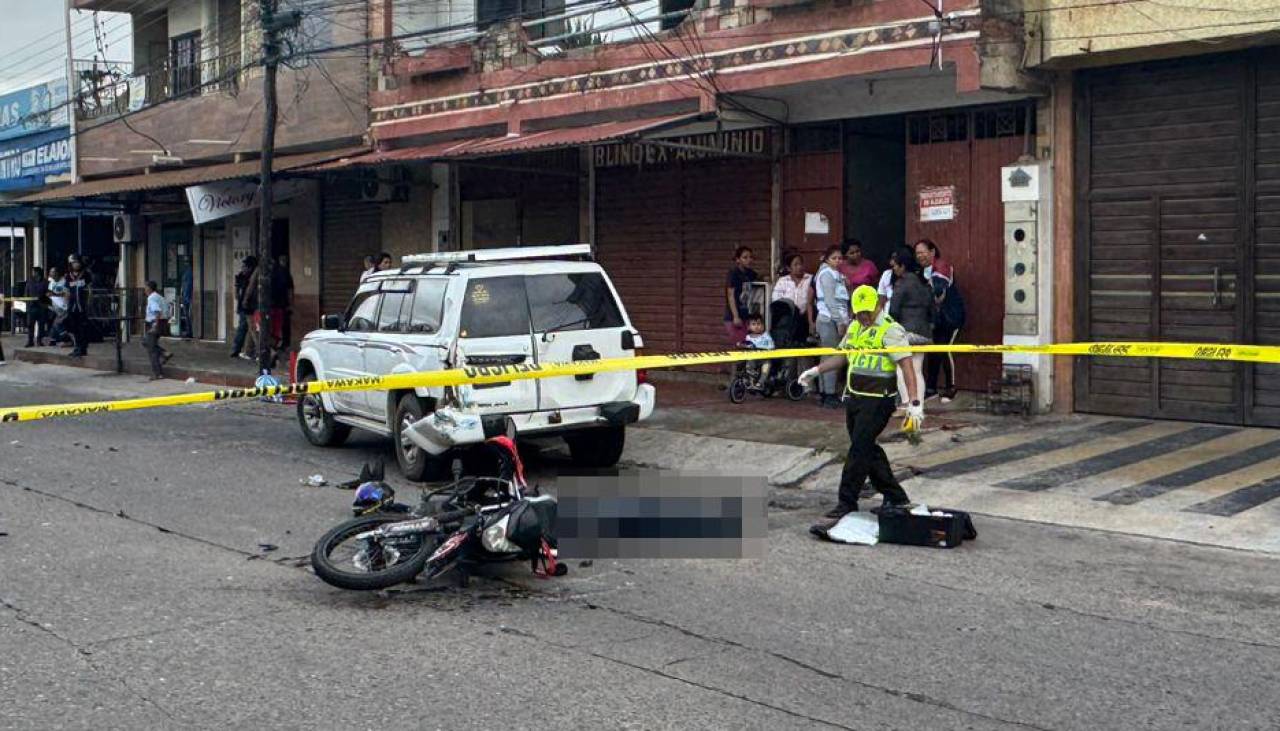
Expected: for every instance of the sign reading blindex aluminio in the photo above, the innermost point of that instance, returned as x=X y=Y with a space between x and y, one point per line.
x=691 y=147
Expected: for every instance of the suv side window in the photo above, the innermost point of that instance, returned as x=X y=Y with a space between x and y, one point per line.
x=579 y=301
x=494 y=308
x=363 y=312
x=396 y=299
x=428 y=306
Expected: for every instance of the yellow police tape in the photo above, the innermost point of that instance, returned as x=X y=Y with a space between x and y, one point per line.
x=479 y=375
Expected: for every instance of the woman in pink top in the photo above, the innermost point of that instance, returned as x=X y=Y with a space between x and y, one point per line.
x=857 y=271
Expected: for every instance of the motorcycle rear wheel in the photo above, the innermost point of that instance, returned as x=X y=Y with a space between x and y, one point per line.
x=412 y=553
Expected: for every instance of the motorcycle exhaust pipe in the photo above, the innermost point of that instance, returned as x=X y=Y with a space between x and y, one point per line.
x=421 y=525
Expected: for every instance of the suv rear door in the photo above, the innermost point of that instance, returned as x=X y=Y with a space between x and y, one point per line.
x=493 y=330
x=576 y=316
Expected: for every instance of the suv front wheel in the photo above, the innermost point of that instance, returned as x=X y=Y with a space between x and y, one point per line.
x=317 y=424
x=413 y=460
x=597 y=447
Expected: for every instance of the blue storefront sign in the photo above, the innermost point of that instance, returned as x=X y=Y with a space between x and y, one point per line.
x=28 y=161
x=32 y=110
x=35 y=141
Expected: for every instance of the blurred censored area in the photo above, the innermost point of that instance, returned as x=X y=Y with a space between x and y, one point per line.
x=659 y=514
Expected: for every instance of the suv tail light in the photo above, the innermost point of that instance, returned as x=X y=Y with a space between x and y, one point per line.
x=642 y=376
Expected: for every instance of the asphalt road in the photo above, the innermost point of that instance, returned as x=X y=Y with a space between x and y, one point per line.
x=135 y=594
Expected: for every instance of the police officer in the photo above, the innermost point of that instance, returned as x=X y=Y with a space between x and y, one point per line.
x=868 y=398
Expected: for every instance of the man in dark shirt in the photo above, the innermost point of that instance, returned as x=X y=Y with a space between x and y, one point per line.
x=243 y=311
x=282 y=300
x=735 y=317
x=37 y=288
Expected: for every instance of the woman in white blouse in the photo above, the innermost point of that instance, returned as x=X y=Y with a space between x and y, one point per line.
x=796 y=285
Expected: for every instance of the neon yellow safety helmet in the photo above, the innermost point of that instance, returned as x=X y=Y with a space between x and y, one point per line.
x=864 y=299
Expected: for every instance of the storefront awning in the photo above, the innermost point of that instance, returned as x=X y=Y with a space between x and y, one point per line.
x=186 y=176
x=529 y=142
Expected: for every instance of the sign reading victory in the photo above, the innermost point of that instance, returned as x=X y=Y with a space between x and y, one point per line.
x=215 y=201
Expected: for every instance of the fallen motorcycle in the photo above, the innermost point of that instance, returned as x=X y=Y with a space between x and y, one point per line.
x=471 y=521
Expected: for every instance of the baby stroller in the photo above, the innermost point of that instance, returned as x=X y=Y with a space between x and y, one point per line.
x=787 y=328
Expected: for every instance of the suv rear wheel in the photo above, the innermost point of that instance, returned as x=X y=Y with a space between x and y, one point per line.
x=317 y=424
x=599 y=447
x=413 y=460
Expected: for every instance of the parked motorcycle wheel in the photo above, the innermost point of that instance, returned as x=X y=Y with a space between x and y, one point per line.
x=337 y=557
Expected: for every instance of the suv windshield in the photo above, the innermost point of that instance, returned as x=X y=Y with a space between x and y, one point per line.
x=578 y=301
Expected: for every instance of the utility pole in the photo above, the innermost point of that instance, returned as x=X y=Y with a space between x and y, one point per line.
x=272 y=24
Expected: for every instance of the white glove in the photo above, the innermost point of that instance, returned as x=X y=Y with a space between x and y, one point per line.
x=807 y=378
x=915 y=413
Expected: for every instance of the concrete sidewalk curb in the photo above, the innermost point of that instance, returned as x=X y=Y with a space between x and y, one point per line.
x=782 y=465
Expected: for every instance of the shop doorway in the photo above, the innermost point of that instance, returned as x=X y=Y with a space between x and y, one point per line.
x=876 y=185
x=890 y=161
x=177 y=277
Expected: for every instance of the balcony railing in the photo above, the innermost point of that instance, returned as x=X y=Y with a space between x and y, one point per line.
x=108 y=88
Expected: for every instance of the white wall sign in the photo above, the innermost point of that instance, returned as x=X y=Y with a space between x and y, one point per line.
x=215 y=201
x=938 y=203
x=1019 y=183
x=816 y=223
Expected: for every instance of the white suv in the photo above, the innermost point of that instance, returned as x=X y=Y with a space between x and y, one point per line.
x=476 y=308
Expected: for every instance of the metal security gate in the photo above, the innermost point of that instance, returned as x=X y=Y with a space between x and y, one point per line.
x=666 y=236
x=352 y=230
x=1178 y=216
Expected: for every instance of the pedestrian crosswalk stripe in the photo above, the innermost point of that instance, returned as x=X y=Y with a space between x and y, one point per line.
x=1201 y=469
x=975 y=461
x=1240 y=500
x=1107 y=461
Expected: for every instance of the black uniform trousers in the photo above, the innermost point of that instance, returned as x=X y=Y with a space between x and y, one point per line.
x=865 y=417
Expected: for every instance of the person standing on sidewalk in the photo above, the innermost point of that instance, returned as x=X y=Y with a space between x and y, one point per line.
x=833 y=316
x=910 y=305
x=856 y=270
x=37 y=288
x=868 y=399
x=79 y=291
x=243 y=315
x=157 y=308
x=282 y=298
x=58 y=303
x=739 y=276
x=949 y=316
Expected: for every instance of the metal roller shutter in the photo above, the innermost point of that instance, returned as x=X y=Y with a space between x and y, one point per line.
x=352 y=230
x=666 y=237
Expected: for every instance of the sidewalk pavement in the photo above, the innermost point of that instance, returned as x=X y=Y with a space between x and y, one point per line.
x=789 y=441
x=206 y=362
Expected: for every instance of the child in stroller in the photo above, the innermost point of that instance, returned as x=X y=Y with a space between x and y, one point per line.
x=767 y=377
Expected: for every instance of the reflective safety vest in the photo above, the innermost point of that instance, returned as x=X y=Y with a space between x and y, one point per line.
x=870 y=374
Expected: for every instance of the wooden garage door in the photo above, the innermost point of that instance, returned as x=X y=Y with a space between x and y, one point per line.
x=1179 y=220
x=666 y=237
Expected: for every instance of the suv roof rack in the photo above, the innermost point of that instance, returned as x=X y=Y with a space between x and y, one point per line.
x=509 y=254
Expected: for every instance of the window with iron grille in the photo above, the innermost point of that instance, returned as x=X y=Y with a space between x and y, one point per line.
x=184 y=63
x=815 y=138
x=1011 y=120
x=927 y=129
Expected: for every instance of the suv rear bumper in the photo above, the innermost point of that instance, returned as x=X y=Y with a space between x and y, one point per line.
x=447 y=428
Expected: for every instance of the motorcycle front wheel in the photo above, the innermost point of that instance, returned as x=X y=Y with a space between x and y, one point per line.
x=342 y=560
